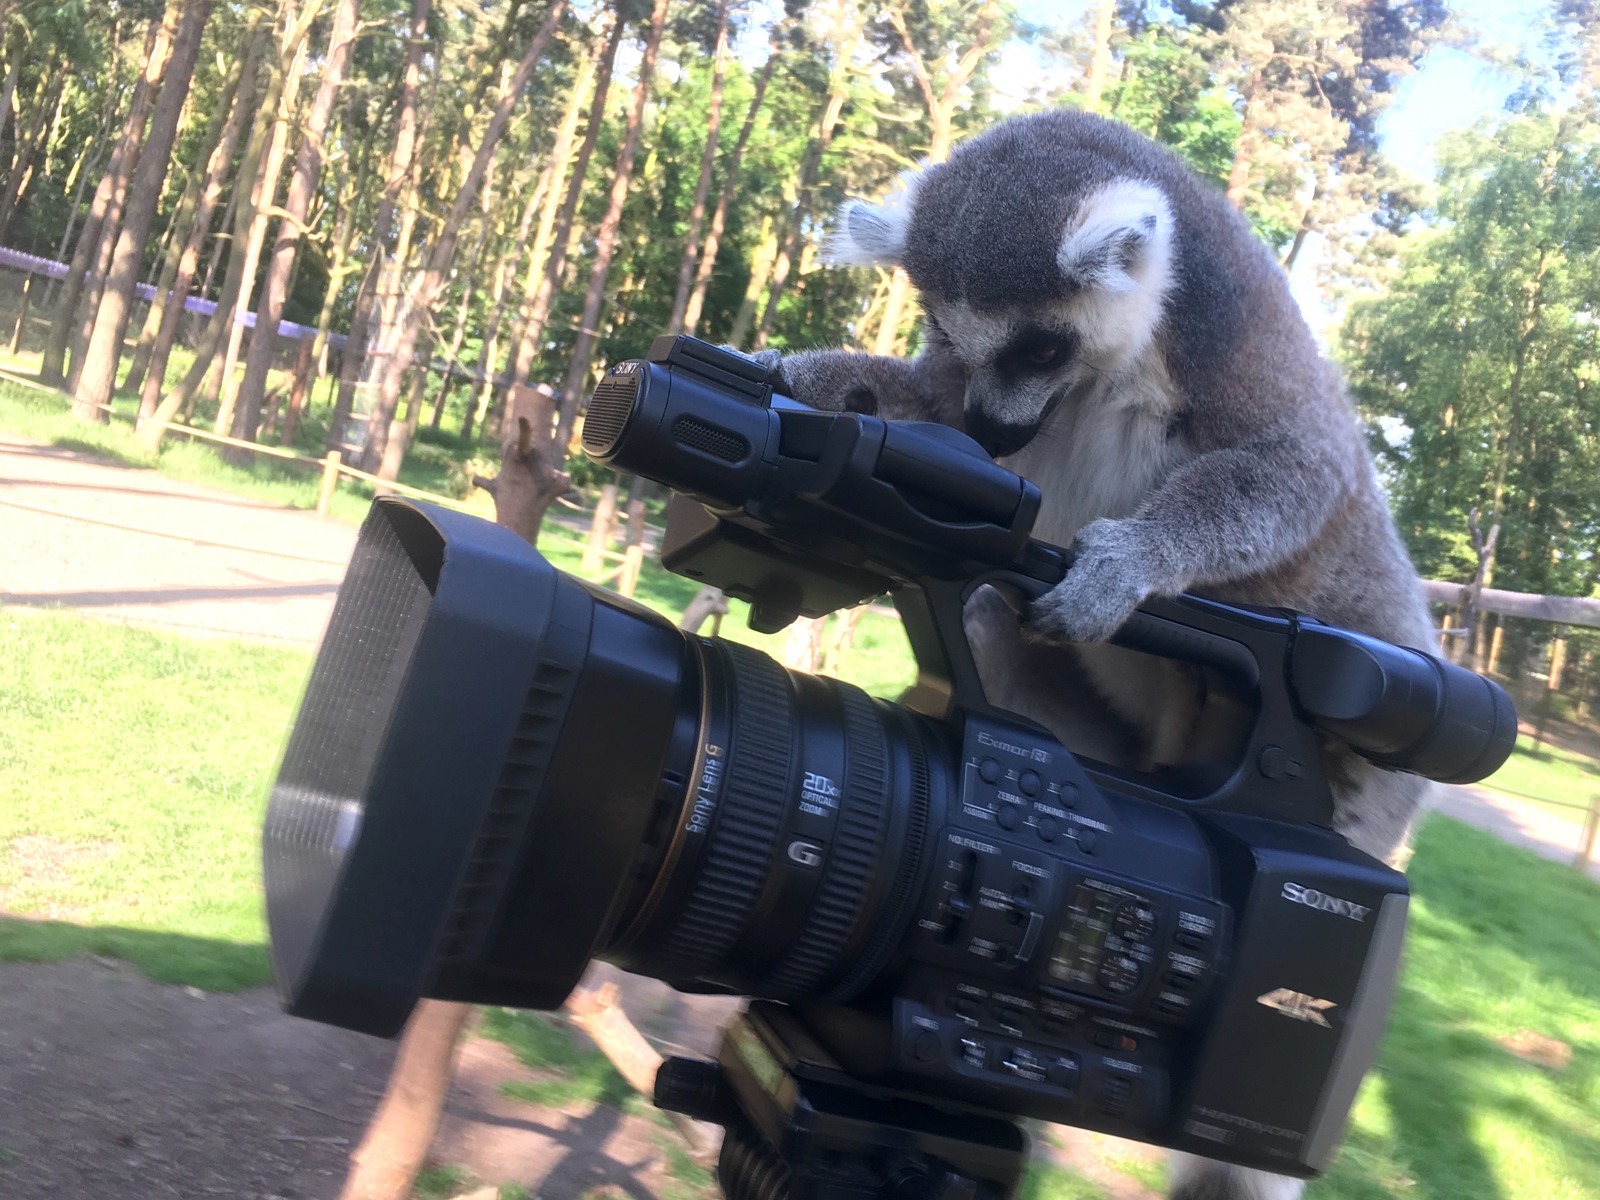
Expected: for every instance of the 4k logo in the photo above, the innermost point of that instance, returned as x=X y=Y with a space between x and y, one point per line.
x=1298 y=1005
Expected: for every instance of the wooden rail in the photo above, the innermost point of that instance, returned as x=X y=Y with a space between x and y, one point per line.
x=331 y=465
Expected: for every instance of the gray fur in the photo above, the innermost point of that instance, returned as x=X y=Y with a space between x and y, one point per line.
x=1186 y=435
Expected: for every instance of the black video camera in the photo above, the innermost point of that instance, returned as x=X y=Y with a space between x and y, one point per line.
x=500 y=771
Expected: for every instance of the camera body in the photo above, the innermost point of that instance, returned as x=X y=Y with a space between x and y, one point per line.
x=944 y=919
x=1195 y=961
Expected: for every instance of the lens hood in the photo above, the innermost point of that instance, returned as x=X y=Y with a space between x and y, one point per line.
x=423 y=806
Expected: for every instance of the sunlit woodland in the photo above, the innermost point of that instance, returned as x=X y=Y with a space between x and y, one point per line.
x=438 y=198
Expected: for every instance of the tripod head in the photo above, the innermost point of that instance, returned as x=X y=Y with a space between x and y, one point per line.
x=799 y=1127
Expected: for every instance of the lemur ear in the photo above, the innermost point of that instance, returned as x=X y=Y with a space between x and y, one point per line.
x=872 y=234
x=1118 y=234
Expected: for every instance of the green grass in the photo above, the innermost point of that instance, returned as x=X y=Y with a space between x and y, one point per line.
x=570 y=1070
x=686 y=1179
x=1500 y=941
x=1549 y=773
x=1051 y=1181
x=134 y=767
x=440 y=1182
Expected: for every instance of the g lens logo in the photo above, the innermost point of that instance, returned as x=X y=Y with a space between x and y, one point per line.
x=807 y=854
x=1298 y=1005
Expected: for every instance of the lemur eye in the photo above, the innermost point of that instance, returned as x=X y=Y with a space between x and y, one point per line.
x=1042 y=356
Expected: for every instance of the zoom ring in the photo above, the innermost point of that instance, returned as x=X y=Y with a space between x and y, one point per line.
x=858 y=846
x=738 y=855
x=897 y=909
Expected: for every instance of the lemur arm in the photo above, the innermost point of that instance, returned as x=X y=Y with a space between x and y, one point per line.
x=930 y=387
x=1228 y=514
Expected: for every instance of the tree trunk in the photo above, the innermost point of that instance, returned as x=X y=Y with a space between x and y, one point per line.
x=436 y=272
x=297 y=204
x=810 y=168
x=297 y=393
x=104 y=350
x=760 y=268
x=27 y=146
x=1244 y=148
x=400 y=160
x=719 y=215
x=941 y=105
x=605 y=241
x=263 y=198
x=217 y=168
x=100 y=262
x=396 y=1142
x=51 y=368
x=702 y=187
x=459 y=334
x=561 y=237
x=529 y=481
x=490 y=353
x=1094 y=85
x=245 y=184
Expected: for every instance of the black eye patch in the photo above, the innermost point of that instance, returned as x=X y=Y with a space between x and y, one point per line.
x=1036 y=350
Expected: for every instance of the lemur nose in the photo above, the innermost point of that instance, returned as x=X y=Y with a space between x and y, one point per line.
x=999 y=438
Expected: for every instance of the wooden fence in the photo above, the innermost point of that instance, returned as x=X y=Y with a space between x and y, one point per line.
x=625 y=574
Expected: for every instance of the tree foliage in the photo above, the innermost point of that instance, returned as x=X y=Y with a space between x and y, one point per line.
x=1471 y=345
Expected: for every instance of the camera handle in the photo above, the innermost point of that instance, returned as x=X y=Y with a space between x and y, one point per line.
x=1279 y=773
x=799 y=1127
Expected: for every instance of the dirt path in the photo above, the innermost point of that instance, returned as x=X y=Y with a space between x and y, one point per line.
x=116 y=1088
x=129 y=543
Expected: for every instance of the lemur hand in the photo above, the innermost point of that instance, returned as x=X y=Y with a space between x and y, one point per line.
x=771 y=360
x=1108 y=579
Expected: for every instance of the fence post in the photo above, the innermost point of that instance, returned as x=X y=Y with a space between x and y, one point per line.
x=1591 y=826
x=600 y=530
x=330 y=481
x=632 y=564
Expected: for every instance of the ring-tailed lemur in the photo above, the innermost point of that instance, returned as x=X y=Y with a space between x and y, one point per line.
x=1107 y=325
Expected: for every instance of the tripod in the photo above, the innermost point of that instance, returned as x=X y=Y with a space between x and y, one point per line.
x=801 y=1128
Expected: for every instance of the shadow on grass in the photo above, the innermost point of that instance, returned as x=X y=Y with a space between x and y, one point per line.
x=109 y=456
x=177 y=958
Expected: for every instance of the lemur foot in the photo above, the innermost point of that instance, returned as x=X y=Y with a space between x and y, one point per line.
x=1108 y=579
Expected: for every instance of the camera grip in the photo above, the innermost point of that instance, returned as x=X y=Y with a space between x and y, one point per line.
x=1151 y=633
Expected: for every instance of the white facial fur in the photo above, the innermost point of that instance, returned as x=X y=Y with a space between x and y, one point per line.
x=976 y=337
x=1119 y=250
x=1103 y=451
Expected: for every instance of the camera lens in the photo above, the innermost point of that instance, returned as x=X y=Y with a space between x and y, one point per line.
x=796 y=853
x=500 y=772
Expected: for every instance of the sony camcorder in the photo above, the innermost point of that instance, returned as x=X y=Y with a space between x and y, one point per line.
x=945 y=920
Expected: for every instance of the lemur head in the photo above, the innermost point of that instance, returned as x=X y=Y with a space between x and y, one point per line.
x=1043 y=251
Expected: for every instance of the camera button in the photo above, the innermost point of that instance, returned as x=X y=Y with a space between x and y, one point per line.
x=924 y=1045
x=1119 y=974
x=1029 y=783
x=1009 y=816
x=1068 y=793
x=1135 y=921
x=1087 y=839
x=1049 y=829
x=1063 y=1073
x=964 y=1008
x=989 y=771
x=1012 y=1020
